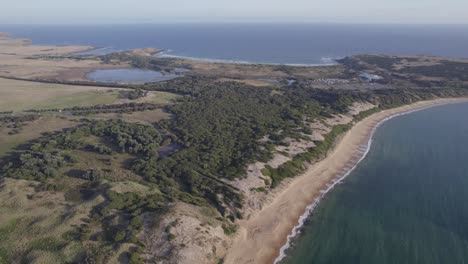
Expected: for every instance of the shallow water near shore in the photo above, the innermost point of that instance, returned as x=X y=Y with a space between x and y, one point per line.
x=129 y=76
x=404 y=203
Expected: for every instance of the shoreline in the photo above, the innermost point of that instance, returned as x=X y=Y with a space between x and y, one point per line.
x=161 y=53
x=30 y=42
x=241 y=62
x=267 y=234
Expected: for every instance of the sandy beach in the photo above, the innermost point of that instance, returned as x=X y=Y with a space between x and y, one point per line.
x=261 y=237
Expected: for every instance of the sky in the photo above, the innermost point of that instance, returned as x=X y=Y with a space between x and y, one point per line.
x=218 y=11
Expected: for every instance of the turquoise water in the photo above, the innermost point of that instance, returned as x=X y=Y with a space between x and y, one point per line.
x=406 y=202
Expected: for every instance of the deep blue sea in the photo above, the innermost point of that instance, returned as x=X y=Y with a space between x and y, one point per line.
x=259 y=43
x=405 y=203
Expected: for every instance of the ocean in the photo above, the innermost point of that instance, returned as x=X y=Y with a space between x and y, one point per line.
x=258 y=43
x=404 y=203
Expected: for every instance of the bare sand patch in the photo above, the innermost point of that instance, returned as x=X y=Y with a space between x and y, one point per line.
x=252 y=179
x=359 y=107
x=262 y=235
x=295 y=146
x=255 y=185
x=192 y=229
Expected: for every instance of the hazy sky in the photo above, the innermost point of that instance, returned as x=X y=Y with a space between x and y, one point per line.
x=149 y=11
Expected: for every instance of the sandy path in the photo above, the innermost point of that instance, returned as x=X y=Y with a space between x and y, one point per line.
x=260 y=238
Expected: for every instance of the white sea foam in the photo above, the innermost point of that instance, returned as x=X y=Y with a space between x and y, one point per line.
x=324 y=61
x=339 y=179
x=330 y=60
x=99 y=51
x=168 y=53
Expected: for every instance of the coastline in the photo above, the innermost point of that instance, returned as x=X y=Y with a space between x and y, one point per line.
x=330 y=61
x=264 y=237
x=272 y=233
x=161 y=53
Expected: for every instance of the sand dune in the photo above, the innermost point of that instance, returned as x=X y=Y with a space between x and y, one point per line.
x=261 y=237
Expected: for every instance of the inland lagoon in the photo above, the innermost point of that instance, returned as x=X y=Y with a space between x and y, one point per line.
x=406 y=202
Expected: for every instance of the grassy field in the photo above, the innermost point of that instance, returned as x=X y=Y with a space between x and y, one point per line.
x=55 y=221
x=145 y=117
x=24 y=95
x=32 y=130
x=35 y=224
x=158 y=98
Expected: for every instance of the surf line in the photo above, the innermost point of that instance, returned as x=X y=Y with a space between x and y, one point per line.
x=310 y=208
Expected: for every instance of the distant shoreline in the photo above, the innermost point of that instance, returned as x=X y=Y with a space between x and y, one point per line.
x=225 y=61
x=265 y=237
x=160 y=53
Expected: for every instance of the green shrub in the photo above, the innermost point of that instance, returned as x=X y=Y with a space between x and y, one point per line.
x=119 y=236
x=170 y=236
x=229 y=229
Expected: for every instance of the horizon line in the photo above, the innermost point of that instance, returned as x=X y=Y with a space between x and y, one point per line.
x=236 y=22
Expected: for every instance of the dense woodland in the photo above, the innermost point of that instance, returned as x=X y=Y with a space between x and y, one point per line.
x=139 y=61
x=448 y=70
x=96 y=109
x=219 y=128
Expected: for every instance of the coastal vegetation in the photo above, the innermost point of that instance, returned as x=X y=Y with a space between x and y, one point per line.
x=141 y=61
x=219 y=130
x=96 y=109
x=421 y=71
x=16 y=123
x=105 y=181
x=446 y=69
x=299 y=163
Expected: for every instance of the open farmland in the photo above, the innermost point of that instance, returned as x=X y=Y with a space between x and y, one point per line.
x=24 y=95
